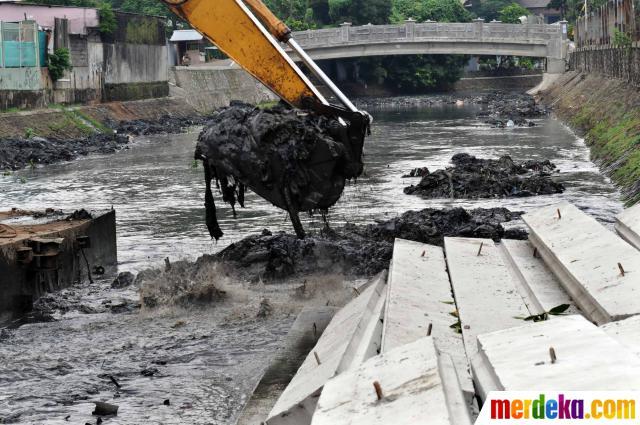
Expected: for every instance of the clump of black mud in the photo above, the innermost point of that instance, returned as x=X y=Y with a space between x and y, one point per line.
x=359 y=250
x=473 y=178
x=16 y=154
x=503 y=108
x=297 y=161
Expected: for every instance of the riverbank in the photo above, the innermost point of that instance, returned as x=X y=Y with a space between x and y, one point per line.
x=606 y=112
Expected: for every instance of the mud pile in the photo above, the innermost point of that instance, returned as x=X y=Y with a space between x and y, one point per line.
x=472 y=178
x=515 y=107
x=359 y=250
x=291 y=159
x=16 y=153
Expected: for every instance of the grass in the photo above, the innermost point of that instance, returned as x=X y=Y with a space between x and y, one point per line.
x=267 y=104
x=612 y=130
x=10 y=110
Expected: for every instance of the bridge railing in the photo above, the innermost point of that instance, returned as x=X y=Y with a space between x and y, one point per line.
x=413 y=31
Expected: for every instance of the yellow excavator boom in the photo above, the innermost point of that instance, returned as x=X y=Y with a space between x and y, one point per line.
x=231 y=26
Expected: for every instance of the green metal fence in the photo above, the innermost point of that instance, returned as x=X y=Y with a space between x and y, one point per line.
x=19 y=44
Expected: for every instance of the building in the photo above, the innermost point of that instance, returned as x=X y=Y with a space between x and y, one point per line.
x=130 y=63
x=540 y=8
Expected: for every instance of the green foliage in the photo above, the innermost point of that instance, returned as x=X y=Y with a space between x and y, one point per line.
x=411 y=74
x=58 y=63
x=108 y=22
x=29 y=133
x=435 y=10
x=511 y=14
x=621 y=39
x=360 y=12
x=489 y=9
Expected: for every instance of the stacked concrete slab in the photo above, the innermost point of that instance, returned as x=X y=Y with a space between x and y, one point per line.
x=599 y=270
x=403 y=386
x=420 y=303
x=627 y=332
x=628 y=225
x=416 y=335
x=540 y=289
x=336 y=351
x=554 y=355
x=484 y=289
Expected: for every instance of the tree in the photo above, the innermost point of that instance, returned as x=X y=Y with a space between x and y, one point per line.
x=489 y=9
x=58 y=63
x=108 y=22
x=435 y=10
x=360 y=12
x=511 y=14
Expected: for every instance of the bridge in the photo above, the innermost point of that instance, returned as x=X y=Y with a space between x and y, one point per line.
x=474 y=38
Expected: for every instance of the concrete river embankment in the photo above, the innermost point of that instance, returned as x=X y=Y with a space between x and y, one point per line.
x=206 y=361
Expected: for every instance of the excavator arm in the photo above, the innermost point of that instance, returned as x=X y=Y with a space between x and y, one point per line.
x=250 y=34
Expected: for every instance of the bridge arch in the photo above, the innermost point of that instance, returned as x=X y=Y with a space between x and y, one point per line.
x=412 y=38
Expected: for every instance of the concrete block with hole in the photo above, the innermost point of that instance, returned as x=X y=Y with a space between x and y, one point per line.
x=416 y=385
x=484 y=288
x=420 y=303
x=539 y=287
x=569 y=353
x=344 y=344
x=599 y=270
x=628 y=225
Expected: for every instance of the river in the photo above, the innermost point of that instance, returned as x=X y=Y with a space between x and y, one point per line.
x=205 y=361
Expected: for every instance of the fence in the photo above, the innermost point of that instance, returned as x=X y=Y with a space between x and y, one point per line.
x=19 y=44
x=599 y=27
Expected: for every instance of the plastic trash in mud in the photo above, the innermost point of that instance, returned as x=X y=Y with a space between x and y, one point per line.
x=297 y=161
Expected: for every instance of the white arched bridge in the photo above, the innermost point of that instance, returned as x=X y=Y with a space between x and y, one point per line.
x=474 y=38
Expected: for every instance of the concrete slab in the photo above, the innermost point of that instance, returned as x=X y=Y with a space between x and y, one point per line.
x=298 y=401
x=540 y=288
x=628 y=225
x=484 y=289
x=419 y=296
x=303 y=335
x=588 y=260
x=412 y=387
x=519 y=359
x=367 y=339
x=627 y=332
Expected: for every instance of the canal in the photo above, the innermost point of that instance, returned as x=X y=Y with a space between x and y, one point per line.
x=206 y=361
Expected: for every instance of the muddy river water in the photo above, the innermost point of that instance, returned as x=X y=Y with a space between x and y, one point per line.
x=206 y=361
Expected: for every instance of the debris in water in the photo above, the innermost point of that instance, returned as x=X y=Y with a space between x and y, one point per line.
x=297 y=161
x=105 y=409
x=265 y=309
x=149 y=371
x=123 y=280
x=471 y=178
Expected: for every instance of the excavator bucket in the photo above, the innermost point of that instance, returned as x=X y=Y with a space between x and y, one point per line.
x=298 y=164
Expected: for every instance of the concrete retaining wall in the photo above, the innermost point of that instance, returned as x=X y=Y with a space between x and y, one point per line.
x=208 y=88
x=511 y=82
